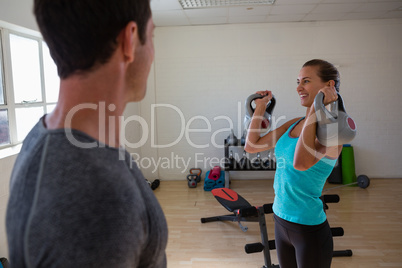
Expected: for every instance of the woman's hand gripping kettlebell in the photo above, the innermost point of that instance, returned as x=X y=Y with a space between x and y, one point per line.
x=330 y=93
x=265 y=100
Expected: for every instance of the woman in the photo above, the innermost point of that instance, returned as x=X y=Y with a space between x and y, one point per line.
x=302 y=234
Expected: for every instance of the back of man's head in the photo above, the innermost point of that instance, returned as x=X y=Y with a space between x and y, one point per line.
x=82 y=34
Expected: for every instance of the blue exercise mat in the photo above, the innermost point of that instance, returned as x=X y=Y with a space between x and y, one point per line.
x=213 y=184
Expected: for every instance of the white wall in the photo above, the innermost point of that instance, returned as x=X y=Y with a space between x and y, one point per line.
x=18 y=12
x=208 y=71
x=5 y=167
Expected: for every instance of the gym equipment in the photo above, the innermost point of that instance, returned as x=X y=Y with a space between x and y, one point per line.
x=214 y=173
x=4 y=263
x=231 y=162
x=194 y=177
x=266 y=122
x=334 y=127
x=271 y=161
x=199 y=171
x=257 y=163
x=192 y=180
x=267 y=164
x=362 y=181
x=336 y=173
x=155 y=184
x=243 y=138
x=244 y=162
x=348 y=164
x=243 y=211
x=231 y=139
x=210 y=184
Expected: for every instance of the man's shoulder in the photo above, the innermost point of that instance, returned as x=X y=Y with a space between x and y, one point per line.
x=76 y=156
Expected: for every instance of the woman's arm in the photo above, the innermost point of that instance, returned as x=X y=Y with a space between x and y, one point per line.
x=255 y=143
x=258 y=144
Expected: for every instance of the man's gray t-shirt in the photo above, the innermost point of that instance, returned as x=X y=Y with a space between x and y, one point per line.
x=76 y=207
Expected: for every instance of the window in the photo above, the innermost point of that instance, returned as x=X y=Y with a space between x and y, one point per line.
x=29 y=83
x=4 y=126
x=4 y=129
x=1 y=77
x=25 y=67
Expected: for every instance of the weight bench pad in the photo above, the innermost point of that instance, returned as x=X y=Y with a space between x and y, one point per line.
x=229 y=199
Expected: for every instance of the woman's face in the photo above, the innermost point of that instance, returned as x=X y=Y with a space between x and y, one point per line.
x=308 y=85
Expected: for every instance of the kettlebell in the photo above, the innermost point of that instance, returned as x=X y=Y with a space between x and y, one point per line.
x=334 y=127
x=196 y=171
x=192 y=180
x=266 y=122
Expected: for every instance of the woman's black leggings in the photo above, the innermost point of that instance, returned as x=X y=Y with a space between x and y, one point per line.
x=303 y=246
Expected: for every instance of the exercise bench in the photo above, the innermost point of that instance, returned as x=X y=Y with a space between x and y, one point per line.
x=243 y=211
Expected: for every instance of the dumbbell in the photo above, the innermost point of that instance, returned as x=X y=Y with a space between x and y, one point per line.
x=243 y=138
x=362 y=181
x=230 y=162
x=257 y=163
x=231 y=139
x=153 y=185
x=269 y=162
x=244 y=163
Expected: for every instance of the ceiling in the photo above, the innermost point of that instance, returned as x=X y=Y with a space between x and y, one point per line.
x=170 y=12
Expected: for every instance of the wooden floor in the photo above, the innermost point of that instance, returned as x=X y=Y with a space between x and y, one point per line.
x=371 y=219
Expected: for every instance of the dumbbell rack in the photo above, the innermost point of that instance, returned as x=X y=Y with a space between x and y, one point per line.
x=238 y=150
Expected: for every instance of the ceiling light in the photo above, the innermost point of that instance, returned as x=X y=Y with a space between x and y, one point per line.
x=188 y=4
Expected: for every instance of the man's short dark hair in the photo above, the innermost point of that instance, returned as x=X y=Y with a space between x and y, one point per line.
x=82 y=34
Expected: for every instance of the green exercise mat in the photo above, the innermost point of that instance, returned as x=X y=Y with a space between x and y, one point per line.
x=348 y=165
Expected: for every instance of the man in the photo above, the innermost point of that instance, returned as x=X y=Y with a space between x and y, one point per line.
x=73 y=201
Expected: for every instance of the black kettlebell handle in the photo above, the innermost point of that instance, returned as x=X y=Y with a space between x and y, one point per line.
x=270 y=105
x=323 y=115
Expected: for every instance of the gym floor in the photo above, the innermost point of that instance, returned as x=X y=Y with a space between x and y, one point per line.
x=371 y=219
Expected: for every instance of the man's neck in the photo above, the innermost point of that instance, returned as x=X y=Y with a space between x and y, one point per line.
x=92 y=103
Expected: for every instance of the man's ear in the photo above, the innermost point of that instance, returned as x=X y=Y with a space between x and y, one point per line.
x=129 y=40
